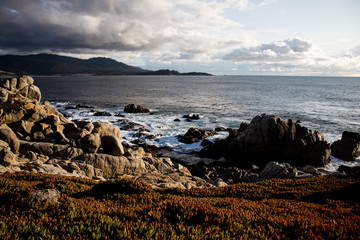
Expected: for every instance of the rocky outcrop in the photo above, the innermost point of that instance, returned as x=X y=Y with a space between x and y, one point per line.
x=113 y=166
x=20 y=101
x=36 y=138
x=218 y=172
x=281 y=170
x=348 y=148
x=196 y=135
x=134 y=108
x=350 y=171
x=23 y=86
x=270 y=138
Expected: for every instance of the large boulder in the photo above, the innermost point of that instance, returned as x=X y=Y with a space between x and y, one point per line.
x=348 y=148
x=23 y=127
x=44 y=148
x=103 y=129
x=85 y=124
x=47 y=196
x=91 y=143
x=72 y=131
x=133 y=108
x=51 y=149
x=112 y=145
x=8 y=136
x=270 y=138
x=7 y=158
x=114 y=166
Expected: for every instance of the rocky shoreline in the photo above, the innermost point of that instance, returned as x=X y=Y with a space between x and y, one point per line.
x=35 y=137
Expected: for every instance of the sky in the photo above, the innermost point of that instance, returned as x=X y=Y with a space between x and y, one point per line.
x=246 y=37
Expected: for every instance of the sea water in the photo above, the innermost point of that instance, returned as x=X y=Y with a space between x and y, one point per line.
x=327 y=104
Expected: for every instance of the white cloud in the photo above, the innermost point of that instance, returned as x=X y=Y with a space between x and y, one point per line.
x=295 y=56
x=273 y=52
x=355 y=52
x=267 y=2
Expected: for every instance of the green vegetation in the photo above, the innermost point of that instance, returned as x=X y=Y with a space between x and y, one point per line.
x=51 y=64
x=317 y=208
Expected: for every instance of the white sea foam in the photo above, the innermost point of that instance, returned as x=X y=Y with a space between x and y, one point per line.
x=162 y=126
x=326 y=104
x=166 y=130
x=335 y=163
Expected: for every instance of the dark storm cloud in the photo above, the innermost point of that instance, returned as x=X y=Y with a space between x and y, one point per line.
x=80 y=24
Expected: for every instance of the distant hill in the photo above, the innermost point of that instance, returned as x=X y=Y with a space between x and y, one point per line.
x=51 y=64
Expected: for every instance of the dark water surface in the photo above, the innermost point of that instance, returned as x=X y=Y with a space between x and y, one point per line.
x=328 y=104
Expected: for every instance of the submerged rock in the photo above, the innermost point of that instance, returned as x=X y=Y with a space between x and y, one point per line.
x=134 y=108
x=196 y=135
x=192 y=116
x=102 y=114
x=126 y=124
x=79 y=106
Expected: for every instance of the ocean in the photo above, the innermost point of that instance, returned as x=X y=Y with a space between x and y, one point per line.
x=327 y=104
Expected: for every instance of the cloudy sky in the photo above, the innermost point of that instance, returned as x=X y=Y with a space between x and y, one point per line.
x=277 y=37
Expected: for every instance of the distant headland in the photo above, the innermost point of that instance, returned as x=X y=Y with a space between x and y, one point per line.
x=51 y=64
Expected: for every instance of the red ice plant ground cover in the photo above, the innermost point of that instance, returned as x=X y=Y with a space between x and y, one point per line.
x=316 y=208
